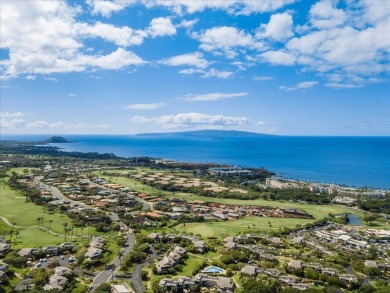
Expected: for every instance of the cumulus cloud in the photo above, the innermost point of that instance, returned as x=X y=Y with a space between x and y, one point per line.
x=324 y=15
x=224 y=39
x=190 y=120
x=107 y=7
x=44 y=37
x=278 y=57
x=121 y=36
x=161 y=26
x=300 y=86
x=212 y=96
x=191 y=59
x=246 y=7
x=279 y=27
x=212 y=72
x=150 y=106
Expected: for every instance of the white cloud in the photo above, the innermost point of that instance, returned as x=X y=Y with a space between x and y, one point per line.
x=246 y=7
x=121 y=36
x=11 y=123
x=72 y=95
x=188 y=23
x=217 y=73
x=224 y=39
x=300 y=86
x=324 y=15
x=151 y=106
x=161 y=26
x=189 y=120
x=106 y=7
x=191 y=59
x=44 y=37
x=31 y=77
x=279 y=27
x=237 y=7
x=263 y=78
x=212 y=96
x=212 y=72
x=12 y=114
x=51 y=79
x=278 y=57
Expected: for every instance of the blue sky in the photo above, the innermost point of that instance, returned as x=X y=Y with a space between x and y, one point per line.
x=285 y=67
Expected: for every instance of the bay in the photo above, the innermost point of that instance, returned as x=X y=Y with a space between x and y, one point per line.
x=353 y=161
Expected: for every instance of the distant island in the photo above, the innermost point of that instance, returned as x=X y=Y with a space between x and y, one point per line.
x=208 y=133
x=56 y=139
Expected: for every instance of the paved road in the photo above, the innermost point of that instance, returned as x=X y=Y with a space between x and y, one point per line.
x=136 y=277
x=107 y=274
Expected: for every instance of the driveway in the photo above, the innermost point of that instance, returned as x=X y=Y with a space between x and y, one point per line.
x=136 y=277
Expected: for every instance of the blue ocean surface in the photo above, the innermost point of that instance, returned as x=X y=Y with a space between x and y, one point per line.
x=353 y=161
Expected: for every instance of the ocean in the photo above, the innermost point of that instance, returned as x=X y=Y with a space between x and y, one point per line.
x=353 y=161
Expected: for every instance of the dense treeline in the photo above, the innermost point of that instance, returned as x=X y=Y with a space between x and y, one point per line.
x=376 y=205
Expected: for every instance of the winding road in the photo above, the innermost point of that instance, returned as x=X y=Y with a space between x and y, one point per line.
x=108 y=273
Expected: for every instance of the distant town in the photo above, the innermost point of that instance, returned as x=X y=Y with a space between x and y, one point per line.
x=88 y=222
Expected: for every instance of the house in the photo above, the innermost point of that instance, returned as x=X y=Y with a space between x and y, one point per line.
x=251 y=270
x=62 y=270
x=272 y=273
x=298 y=240
x=67 y=245
x=329 y=271
x=27 y=251
x=120 y=289
x=171 y=259
x=53 y=250
x=165 y=264
x=349 y=278
x=93 y=253
x=97 y=242
x=301 y=286
x=154 y=236
x=230 y=245
x=3 y=267
x=200 y=246
x=222 y=284
x=4 y=248
x=295 y=264
x=371 y=264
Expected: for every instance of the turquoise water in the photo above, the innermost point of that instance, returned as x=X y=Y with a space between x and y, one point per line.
x=354 y=161
x=217 y=270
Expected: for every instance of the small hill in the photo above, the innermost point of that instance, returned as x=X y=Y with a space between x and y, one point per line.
x=56 y=139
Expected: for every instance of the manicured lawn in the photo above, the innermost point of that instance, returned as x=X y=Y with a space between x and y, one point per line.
x=34 y=237
x=133 y=184
x=15 y=208
x=255 y=224
x=20 y=171
x=192 y=262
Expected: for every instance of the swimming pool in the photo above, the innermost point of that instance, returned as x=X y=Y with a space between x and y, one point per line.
x=215 y=270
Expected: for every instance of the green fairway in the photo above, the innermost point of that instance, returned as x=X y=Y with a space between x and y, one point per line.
x=255 y=224
x=133 y=184
x=318 y=211
x=14 y=207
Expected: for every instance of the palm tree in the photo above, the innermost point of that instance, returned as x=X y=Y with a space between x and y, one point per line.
x=82 y=236
x=50 y=222
x=65 y=225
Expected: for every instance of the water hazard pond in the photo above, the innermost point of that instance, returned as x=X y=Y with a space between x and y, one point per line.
x=354 y=220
